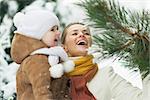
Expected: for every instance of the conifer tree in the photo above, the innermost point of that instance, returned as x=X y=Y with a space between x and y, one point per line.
x=125 y=33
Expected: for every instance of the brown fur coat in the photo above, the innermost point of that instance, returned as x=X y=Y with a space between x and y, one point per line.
x=33 y=79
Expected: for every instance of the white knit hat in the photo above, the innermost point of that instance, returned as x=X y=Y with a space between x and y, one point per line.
x=35 y=23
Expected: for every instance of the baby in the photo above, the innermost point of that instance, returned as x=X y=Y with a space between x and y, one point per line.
x=34 y=47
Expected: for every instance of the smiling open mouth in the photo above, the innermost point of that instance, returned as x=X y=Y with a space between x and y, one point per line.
x=82 y=42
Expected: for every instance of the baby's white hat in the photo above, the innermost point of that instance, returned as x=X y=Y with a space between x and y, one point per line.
x=35 y=23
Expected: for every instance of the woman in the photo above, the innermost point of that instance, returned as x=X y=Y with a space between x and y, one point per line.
x=76 y=39
x=94 y=82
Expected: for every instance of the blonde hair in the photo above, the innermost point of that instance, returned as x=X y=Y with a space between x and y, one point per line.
x=63 y=37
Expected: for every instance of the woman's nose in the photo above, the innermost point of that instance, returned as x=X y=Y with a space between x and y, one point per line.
x=81 y=34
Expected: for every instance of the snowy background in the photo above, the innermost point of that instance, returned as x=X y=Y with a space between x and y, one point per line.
x=68 y=12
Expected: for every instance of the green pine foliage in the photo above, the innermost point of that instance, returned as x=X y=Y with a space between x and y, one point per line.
x=124 y=33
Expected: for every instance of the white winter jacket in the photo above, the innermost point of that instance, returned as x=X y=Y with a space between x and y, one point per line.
x=107 y=85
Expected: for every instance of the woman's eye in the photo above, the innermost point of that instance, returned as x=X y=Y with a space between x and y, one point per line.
x=87 y=33
x=75 y=34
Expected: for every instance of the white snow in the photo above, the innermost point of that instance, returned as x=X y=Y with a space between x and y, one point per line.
x=70 y=13
x=136 y=5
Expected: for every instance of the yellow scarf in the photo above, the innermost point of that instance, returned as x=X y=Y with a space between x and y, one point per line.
x=82 y=66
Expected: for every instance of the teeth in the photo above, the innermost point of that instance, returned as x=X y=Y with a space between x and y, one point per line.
x=82 y=41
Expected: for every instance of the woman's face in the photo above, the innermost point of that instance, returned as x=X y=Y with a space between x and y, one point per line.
x=77 y=40
x=51 y=37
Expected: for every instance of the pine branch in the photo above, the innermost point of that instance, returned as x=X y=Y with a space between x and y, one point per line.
x=126 y=45
x=126 y=33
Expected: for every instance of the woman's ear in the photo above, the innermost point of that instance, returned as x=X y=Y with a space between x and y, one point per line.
x=65 y=47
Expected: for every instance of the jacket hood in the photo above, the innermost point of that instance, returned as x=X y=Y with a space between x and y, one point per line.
x=23 y=46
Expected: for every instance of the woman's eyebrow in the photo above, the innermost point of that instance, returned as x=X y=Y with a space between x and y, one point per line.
x=75 y=30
